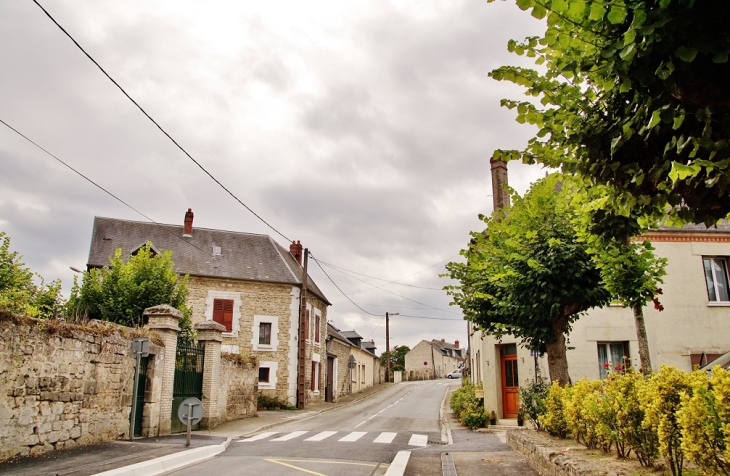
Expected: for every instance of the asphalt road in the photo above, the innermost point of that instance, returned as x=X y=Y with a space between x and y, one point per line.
x=365 y=437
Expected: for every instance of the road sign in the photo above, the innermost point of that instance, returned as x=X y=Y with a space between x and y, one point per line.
x=352 y=363
x=141 y=346
x=192 y=407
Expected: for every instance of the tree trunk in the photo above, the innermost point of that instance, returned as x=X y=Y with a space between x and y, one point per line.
x=644 y=357
x=557 y=358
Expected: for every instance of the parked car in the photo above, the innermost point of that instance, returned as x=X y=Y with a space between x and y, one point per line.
x=454 y=374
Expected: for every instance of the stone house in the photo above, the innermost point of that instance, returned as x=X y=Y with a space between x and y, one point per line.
x=247 y=282
x=433 y=359
x=339 y=374
x=366 y=371
x=694 y=326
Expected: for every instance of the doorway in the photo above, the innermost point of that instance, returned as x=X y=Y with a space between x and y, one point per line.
x=330 y=382
x=510 y=381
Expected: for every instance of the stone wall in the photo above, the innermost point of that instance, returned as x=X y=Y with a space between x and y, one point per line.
x=342 y=351
x=62 y=385
x=238 y=390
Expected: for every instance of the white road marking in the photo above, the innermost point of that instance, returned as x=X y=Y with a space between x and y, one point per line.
x=385 y=437
x=290 y=436
x=260 y=436
x=321 y=436
x=398 y=465
x=418 y=440
x=354 y=436
x=362 y=423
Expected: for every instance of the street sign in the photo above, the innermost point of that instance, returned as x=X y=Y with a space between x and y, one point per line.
x=352 y=362
x=190 y=409
x=141 y=346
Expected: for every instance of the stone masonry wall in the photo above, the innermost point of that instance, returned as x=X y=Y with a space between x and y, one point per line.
x=342 y=351
x=62 y=385
x=238 y=389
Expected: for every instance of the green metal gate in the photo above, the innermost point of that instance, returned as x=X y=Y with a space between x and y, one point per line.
x=142 y=380
x=188 y=378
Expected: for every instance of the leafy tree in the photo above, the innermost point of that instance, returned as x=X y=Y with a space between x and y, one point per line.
x=633 y=95
x=121 y=291
x=528 y=274
x=19 y=292
x=397 y=357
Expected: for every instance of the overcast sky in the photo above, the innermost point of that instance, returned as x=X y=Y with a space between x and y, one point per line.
x=362 y=128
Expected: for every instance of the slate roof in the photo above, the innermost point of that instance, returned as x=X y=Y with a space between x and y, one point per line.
x=335 y=332
x=722 y=227
x=368 y=347
x=243 y=256
x=444 y=346
x=351 y=334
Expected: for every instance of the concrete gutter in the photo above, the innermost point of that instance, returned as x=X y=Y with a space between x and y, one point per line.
x=170 y=462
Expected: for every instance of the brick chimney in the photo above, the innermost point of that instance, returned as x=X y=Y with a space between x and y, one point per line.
x=188 y=226
x=297 y=250
x=456 y=344
x=372 y=341
x=500 y=196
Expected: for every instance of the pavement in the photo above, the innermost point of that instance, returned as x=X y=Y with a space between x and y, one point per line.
x=152 y=456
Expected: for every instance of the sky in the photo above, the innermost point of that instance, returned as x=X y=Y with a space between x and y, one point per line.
x=361 y=128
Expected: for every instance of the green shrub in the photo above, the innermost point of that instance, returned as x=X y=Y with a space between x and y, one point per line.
x=581 y=412
x=705 y=421
x=264 y=402
x=532 y=398
x=466 y=407
x=554 y=419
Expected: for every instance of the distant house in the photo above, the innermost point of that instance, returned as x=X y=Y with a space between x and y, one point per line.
x=366 y=372
x=693 y=328
x=244 y=281
x=433 y=359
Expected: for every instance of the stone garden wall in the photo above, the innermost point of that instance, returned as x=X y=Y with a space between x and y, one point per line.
x=62 y=385
x=237 y=397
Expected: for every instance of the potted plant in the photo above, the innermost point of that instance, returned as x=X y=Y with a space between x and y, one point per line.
x=492 y=418
x=520 y=416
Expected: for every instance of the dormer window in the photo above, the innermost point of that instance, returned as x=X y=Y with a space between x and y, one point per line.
x=153 y=251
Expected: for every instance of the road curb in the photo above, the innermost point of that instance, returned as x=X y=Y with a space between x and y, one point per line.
x=170 y=462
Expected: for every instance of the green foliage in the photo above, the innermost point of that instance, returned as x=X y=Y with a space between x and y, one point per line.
x=264 y=402
x=19 y=292
x=705 y=421
x=661 y=400
x=553 y=421
x=632 y=94
x=397 y=357
x=582 y=415
x=121 y=291
x=532 y=398
x=466 y=407
x=528 y=274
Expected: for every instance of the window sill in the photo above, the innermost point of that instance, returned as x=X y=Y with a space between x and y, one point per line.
x=718 y=304
x=264 y=348
x=230 y=334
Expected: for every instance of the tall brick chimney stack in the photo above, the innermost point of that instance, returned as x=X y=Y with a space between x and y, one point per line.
x=456 y=344
x=188 y=226
x=500 y=196
x=297 y=251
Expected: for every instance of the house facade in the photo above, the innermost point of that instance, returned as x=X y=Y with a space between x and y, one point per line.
x=433 y=359
x=693 y=328
x=248 y=283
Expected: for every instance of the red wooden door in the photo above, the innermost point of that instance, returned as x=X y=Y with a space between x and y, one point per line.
x=510 y=386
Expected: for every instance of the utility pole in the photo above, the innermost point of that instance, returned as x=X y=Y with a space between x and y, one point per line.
x=387 y=345
x=302 y=350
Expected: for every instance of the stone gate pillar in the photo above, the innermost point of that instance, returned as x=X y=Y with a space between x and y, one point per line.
x=163 y=321
x=210 y=333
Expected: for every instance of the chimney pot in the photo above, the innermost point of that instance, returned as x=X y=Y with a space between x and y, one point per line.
x=443 y=340
x=188 y=225
x=456 y=344
x=296 y=249
x=500 y=196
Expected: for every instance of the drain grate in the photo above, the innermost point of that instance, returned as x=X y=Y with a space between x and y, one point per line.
x=437 y=443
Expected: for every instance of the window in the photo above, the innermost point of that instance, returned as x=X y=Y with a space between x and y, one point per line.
x=316 y=328
x=264 y=374
x=223 y=312
x=716 y=278
x=612 y=356
x=265 y=333
x=315 y=376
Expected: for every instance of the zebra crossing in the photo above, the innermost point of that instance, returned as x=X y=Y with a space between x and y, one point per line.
x=385 y=437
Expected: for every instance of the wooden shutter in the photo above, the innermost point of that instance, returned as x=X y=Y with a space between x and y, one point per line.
x=223 y=313
x=314 y=373
x=316 y=328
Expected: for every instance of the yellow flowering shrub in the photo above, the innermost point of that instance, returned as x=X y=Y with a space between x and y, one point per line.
x=705 y=421
x=554 y=418
x=660 y=397
x=581 y=411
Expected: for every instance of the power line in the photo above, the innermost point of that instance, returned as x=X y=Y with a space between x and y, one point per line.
x=433 y=318
x=99 y=186
x=156 y=124
x=338 y=288
x=339 y=268
x=385 y=290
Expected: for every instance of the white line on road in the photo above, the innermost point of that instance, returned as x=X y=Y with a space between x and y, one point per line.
x=399 y=463
x=361 y=423
x=354 y=436
x=290 y=436
x=321 y=436
x=260 y=436
x=418 y=440
x=385 y=437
